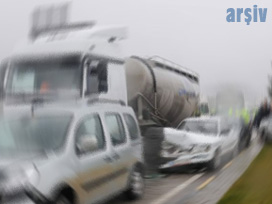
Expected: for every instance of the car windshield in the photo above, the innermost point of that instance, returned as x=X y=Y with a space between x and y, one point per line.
x=44 y=76
x=204 y=127
x=204 y=108
x=32 y=134
x=229 y=100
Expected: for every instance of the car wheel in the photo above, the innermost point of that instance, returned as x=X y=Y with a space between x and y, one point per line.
x=215 y=162
x=235 y=151
x=63 y=200
x=136 y=184
x=248 y=141
x=262 y=137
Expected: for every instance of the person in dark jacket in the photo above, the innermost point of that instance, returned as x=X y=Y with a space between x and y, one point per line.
x=262 y=113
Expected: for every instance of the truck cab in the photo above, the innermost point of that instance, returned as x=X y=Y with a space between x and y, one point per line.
x=69 y=62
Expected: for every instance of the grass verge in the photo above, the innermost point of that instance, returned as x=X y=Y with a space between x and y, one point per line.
x=255 y=185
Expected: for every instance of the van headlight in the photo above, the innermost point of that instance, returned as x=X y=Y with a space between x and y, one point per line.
x=16 y=180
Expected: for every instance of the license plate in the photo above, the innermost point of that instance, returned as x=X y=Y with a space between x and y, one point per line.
x=171 y=163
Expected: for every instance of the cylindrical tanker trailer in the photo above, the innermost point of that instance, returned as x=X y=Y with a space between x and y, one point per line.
x=160 y=91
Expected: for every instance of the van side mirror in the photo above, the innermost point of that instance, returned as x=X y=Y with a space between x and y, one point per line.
x=87 y=143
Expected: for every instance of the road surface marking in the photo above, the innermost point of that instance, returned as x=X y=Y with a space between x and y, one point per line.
x=209 y=180
x=164 y=198
x=203 y=185
x=227 y=165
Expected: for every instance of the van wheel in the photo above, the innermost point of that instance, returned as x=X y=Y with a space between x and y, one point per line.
x=136 y=184
x=215 y=162
x=63 y=200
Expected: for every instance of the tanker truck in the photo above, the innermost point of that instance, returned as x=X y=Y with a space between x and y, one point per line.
x=84 y=61
x=161 y=90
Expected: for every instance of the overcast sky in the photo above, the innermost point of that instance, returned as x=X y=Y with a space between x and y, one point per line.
x=193 y=33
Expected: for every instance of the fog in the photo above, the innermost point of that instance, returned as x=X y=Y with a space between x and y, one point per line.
x=192 y=33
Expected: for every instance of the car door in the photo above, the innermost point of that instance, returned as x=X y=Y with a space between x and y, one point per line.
x=227 y=138
x=121 y=151
x=95 y=166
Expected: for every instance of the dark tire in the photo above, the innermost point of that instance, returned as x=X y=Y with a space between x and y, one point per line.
x=62 y=199
x=215 y=162
x=235 y=152
x=262 y=137
x=248 y=138
x=242 y=140
x=248 y=142
x=136 y=184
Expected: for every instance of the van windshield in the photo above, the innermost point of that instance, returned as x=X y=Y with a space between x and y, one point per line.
x=44 y=76
x=33 y=134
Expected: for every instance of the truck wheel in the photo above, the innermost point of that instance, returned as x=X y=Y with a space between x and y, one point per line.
x=215 y=162
x=136 y=184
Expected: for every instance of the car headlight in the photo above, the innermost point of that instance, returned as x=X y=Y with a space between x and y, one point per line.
x=169 y=148
x=201 y=148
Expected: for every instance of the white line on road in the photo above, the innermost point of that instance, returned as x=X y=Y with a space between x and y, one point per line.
x=177 y=189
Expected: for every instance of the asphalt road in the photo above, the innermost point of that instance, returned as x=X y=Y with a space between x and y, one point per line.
x=195 y=187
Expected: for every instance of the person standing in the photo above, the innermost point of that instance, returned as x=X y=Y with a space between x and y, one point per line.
x=246 y=128
x=262 y=113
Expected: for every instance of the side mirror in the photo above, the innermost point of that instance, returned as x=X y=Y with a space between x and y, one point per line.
x=87 y=143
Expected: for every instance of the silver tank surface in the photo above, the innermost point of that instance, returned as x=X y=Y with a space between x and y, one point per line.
x=166 y=92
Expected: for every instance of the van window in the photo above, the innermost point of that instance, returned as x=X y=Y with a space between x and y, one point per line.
x=24 y=134
x=3 y=68
x=91 y=127
x=116 y=129
x=132 y=127
x=23 y=81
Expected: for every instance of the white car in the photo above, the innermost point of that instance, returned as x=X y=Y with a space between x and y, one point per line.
x=198 y=141
x=265 y=129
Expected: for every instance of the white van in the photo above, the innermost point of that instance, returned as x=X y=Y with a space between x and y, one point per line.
x=70 y=154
